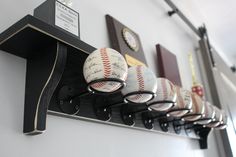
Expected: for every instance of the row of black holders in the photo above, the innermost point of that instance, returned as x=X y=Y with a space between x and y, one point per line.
x=114 y=108
x=55 y=85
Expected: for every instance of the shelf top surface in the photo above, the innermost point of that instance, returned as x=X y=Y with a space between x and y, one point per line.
x=30 y=34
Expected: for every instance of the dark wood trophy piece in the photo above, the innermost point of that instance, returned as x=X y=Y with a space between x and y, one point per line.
x=125 y=41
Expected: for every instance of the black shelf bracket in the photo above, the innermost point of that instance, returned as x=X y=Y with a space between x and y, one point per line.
x=44 y=72
x=46 y=49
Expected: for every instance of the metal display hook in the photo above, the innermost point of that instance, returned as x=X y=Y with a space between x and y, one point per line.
x=69 y=102
x=128 y=115
x=148 y=120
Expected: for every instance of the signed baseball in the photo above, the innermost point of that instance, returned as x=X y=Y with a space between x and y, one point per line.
x=224 y=121
x=165 y=92
x=183 y=103
x=105 y=63
x=198 y=109
x=217 y=119
x=209 y=114
x=139 y=79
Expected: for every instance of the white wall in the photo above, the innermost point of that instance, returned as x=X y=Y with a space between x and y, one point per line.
x=73 y=138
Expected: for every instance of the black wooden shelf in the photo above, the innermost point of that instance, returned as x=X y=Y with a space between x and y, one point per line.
x=29 y=34
x=47 y=50
x=54 y=61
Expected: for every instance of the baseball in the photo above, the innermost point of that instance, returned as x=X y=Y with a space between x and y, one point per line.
x=209 y=114
x=224 y=121
x=217 y=118
x=165 y=92
x=105 y=63
x=184 y=102
x=198 y=109
x=140 y=78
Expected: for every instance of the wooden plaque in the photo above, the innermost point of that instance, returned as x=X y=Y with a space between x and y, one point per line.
x=167 y=65
x=126 y=42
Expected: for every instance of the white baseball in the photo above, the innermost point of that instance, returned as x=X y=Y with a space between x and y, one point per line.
x=198 y=109
x=165 y=92
x=224 y=121
x=140 y=78
x=224 y=117
x=184 y=101
x=209 y=114
x=209 y=110
x=217 y=119
x=105 y=63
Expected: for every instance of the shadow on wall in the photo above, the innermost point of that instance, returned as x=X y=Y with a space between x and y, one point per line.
x=12 y=86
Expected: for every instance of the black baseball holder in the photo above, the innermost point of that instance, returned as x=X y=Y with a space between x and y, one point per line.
x=55 y=83
x=189 y=125
x=177 y=122
x=203 y=133
x=148 y=119
x=164 y=120
x=67 y=97
x=128 y=113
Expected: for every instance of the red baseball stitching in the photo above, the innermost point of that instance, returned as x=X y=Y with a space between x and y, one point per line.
x=140 y=80
x=107 y=67
x=116 y=86
x=106 y=62
x=98 y=85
